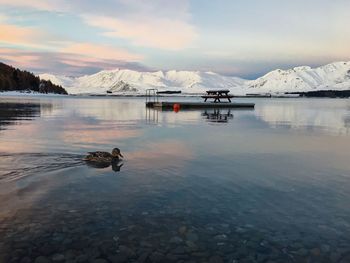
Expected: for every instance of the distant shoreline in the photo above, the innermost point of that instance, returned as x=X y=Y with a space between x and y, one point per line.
x=332 y=94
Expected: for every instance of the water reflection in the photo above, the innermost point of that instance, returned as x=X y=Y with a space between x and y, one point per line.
x=320 y=115
x=152 y=115
x=347 y=121
x=210 y=115
x=270 y=186
x=12 y=113
x=217 y=115
x=14 y=166
x=115 y=164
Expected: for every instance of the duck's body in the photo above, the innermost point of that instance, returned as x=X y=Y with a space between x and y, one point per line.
x=103 y=157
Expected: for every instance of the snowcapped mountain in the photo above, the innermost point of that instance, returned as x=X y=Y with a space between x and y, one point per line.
x=334 y=76
x=128 y=81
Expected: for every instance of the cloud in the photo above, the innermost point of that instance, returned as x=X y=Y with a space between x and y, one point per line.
x=62 y=63
x=12 y=34
x=147 y=24
x=101 y=52
x=34 y=49
x=3 y=18
x=155 y=32
x=39 y=50
x=35 y=4
x=19 y=59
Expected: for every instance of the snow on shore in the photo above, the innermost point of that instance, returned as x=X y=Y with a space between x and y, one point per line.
x=29 y=94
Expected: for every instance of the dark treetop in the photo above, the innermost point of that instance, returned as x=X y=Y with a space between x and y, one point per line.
x=12 y=79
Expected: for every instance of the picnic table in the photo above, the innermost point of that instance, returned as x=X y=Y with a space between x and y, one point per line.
x=217 y=95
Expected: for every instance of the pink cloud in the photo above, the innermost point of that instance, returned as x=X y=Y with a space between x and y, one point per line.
x=101 y=52
x=62 y=63
x=74 y=54
x=36 y=4
x=22 y=61
x=155 y=32
x=18 y=59
x=150 y=24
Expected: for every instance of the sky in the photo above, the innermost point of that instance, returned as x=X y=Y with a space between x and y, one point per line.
x=245 y=38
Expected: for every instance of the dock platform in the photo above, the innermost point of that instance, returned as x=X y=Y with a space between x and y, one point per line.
x=198 y=105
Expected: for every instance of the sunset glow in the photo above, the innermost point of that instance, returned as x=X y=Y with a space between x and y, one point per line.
x=228 y=37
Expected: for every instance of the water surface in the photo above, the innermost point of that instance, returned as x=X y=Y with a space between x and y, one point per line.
x=264 y=185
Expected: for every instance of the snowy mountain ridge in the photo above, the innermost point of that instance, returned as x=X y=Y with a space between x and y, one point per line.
x=335 y=76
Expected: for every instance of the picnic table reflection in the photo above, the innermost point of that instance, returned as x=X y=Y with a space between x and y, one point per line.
x=217 y=115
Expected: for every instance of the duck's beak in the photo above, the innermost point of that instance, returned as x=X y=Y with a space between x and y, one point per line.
x=121 y=155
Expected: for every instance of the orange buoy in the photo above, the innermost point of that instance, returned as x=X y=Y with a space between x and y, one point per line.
x=176 y=107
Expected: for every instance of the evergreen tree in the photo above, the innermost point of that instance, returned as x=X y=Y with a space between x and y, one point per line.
x=15 y=79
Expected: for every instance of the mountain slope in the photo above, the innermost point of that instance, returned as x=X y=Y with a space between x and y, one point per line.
x=332 y=76
x=138 y=82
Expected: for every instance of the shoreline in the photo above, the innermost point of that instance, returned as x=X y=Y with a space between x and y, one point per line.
x=330 y=94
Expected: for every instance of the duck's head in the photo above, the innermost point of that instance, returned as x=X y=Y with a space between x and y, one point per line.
x=116 y=153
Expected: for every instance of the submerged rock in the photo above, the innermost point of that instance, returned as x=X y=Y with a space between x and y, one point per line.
x=58 y=258
x=42 y=259
x=176 y=240
x=216 y=259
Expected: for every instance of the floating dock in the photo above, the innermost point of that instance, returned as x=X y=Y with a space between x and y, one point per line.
x=198 y=105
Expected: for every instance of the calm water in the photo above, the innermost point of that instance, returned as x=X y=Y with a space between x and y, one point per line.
x=264 y=185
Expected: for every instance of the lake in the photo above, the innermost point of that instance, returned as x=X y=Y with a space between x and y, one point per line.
x=264 y=185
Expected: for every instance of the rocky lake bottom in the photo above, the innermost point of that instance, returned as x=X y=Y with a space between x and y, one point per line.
x=268 y=185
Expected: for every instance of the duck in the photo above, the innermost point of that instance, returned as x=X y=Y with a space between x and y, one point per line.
x=104 y=157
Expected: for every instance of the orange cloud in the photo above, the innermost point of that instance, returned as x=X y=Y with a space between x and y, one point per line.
x=36 y=4
x=165 y=33
x=101 y=52
x=12 y=34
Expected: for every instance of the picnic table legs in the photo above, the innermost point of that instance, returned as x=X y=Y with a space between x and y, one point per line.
x=217 y=99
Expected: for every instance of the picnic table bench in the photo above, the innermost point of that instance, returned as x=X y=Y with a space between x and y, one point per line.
x=217 y=95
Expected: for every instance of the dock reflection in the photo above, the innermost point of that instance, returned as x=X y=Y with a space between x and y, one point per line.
x=217 y=115
x=212 y=115
x=151 y=115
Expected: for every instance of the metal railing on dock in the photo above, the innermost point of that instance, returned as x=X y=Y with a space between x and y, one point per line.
x=152 y=97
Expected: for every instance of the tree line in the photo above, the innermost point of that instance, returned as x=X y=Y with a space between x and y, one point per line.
x=14 y=79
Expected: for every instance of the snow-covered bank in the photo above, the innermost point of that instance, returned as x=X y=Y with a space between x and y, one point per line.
x=335 y=76
x=29 y=94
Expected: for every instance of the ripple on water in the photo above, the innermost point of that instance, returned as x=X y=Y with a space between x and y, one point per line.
x=19 y=165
